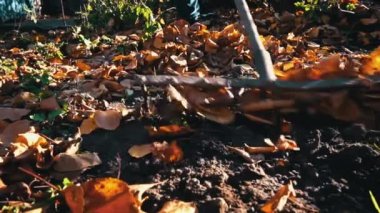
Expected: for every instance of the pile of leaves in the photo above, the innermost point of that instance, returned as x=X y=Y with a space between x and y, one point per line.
x=59 y=86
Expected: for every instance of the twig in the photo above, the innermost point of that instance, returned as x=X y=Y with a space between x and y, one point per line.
x=38 y=177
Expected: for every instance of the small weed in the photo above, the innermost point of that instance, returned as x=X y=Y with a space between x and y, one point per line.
x=120 y=13
x=313 y=7
x=49 y=50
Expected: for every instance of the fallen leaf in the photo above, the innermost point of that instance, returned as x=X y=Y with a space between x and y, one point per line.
x=82 y=66
x=13 y=114
x=75 y=162
x=168 y=130
x=109 y=120
x=212 y=105
x=139 y=151
x=241 y=152
x=278 y=201
x=31 y=139
x=74 y=197
x=12 y=130
x=87 y=126
x=166 y=152
x=177 y=206
x=371 y=64
x=101 y=195
x=50 y=104
x=284 y=144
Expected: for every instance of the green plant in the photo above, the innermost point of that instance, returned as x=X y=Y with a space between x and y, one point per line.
x=312 y=7
x=120 y=13
x=49 y=50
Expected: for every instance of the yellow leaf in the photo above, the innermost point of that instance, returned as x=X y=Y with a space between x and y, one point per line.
x=139 y=151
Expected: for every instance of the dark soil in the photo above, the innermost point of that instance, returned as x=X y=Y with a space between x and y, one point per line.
x=334 y=170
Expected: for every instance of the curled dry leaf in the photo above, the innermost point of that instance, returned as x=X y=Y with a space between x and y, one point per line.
x=278 y=201
x=31 y=139
x=212 y=105
x=166 y=152
x=109 y=120
x=75 y=162
x=13 y=114
x=12 y=130
x=177 y=206
x=240 y=152
x=284 y=144
x=168 y=130
x=50 y=104
x=102 y=195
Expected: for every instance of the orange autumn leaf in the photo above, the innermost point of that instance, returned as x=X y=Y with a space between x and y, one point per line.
x=82 y=66
x=168 y=153
x=168 y=130
x=31 y=139
x=372 y=64
x=102 y=195
x=278 y=201
x=326 y=66
x=108 y=120
x=74 y=197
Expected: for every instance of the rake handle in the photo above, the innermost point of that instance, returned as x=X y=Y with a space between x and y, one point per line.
x=262 y=58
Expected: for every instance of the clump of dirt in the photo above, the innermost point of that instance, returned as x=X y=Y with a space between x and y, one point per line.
x=333 y=171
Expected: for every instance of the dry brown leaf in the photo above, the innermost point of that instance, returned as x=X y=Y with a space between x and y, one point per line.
x=177 y=206
x=328 y=65
x=168 y=130
x=12 y=130
x=241 y=152
x=75 y=162
x=82 y=66
x=87 y=126
x=139 y=151
x=13 y=114
x=278 y=201
x=109 y=120
x=340 y=106
x=50 y=104
x=368 y=21
x=212 y=105
x=284 y=144
x=150 y=56
x=260 y=150
x=211 y=46
x=168 y=153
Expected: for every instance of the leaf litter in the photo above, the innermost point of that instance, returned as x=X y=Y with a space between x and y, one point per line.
x=46 y=96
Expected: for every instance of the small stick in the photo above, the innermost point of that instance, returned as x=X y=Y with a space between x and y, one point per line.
x=38 y=177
